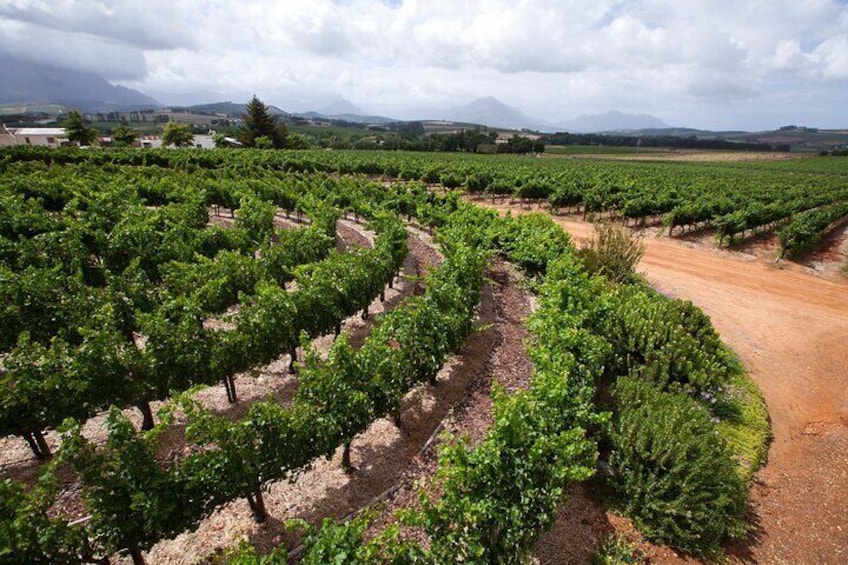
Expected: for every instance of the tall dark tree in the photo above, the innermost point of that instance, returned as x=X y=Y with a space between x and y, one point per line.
x=260 y=128
x=124 y=136
x=76 y=129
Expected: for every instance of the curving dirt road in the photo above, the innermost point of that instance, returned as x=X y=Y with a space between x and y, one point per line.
x=789 y=329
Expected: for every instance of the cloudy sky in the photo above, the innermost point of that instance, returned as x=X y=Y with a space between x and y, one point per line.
x=717 y=64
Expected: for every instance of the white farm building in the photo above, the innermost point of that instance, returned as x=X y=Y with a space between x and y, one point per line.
x=45 y=137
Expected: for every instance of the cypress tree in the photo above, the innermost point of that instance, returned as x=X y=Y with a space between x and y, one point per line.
x=259 y=123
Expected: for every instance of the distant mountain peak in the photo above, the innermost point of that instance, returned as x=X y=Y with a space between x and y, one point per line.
x=489 y=100
x=612 y=120
x=489 y=111
x=337 y=106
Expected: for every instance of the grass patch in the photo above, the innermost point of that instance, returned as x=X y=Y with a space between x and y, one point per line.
x=749 y=433
x=599 y=150
x=330 y=131
x=13 y=109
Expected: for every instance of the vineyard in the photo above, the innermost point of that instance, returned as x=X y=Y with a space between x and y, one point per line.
x=139 y=278
x=803 y=199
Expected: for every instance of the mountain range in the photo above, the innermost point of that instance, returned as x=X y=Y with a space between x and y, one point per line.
x=228 y=108
x=34 y=83
x=611 y=121
x=352 y=118
x=29 y=83
x=24 y=83
x=492 y=112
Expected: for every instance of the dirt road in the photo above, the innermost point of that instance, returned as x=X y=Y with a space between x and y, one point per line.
x=789 y=328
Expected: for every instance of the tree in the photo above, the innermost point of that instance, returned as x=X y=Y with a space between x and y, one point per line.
x=259 y=123
x=177 y=134
x=77 y=130
x=124 y=136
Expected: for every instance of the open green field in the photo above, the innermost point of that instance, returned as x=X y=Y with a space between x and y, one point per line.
x=599 y=150
x=19 y=109
x=320 y=132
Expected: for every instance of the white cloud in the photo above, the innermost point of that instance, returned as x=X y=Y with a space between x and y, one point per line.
x=151 y=24
x=103 y=56
x=789 y=56
x=554 y=58
x=832 y=55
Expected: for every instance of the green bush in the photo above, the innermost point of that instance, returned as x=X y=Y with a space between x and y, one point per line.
x=673 y=473
x=670 y=343
x=613 y=252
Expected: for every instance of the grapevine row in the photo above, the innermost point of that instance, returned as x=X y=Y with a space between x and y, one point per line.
x=336 y=400
x=73 y=346
x=735 y=198
x=60 y=381
x=807 y=228
x=500 y=495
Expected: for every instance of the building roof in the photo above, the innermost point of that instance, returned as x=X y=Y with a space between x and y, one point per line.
x=53 y=132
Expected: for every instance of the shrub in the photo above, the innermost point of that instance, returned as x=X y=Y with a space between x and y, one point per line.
x=672 y=472
x=613 y=252
x=670 y=343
